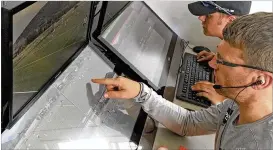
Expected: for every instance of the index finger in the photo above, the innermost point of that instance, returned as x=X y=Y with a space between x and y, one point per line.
x=105 y=81
x=201 y=53
x=201 y=87
x=204 y=82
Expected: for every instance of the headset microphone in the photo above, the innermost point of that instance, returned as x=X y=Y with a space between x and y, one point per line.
x=259 y=82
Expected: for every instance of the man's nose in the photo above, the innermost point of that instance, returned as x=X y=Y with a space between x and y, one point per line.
x=202 y=18
x=213 y=63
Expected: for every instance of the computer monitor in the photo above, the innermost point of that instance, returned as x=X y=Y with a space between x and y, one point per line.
x=39 y=40
x=140 y=38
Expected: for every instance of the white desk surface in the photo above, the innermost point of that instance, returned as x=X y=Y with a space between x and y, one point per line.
x=165 y=137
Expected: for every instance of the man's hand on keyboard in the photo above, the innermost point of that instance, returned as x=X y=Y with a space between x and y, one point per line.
x=205 y=56
x=205 y=89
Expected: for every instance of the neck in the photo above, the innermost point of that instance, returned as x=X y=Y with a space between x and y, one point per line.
x=256 y=110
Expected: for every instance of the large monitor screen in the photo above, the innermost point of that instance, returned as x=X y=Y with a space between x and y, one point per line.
x=141 y=39
x=76 y=116
x=45 y=36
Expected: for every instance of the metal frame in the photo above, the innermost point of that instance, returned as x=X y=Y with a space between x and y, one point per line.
x=6 y=68
x=8 y=61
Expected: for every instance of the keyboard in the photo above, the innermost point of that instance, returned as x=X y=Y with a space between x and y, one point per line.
x=191 y=72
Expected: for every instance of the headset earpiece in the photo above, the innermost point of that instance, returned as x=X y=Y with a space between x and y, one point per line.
x=260 y=81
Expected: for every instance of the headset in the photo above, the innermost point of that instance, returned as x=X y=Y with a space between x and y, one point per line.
x=230 y=111
x=259 y=82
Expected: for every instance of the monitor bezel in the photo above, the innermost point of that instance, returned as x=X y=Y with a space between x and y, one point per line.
x=9 y=61
x=100 y=28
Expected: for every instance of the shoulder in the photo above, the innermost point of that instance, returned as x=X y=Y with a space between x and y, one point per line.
x=262 y=133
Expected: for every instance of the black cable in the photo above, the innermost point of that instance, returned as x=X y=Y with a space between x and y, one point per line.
x=232 y=111
x=190 y=47
x=100 y=47
x=97 y=13
x=240 y=92
x=237 y=96
x=186 y=44
x=95 y=7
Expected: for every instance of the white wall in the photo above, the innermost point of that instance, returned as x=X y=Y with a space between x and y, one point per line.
x=187 y=26
x=266 y=6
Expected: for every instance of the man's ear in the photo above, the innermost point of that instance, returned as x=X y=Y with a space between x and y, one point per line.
x=269 y=78
x=231 y=18
x=266 y=81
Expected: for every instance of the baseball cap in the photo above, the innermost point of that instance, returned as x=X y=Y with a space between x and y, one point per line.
x=237 y=8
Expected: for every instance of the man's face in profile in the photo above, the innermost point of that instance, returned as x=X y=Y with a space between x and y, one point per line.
x=226 y=75
x=212 y=24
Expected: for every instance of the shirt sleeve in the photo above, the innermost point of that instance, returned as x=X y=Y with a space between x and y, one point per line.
x=178 y=119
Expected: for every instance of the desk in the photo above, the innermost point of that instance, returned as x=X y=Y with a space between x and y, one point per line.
x=163 y=136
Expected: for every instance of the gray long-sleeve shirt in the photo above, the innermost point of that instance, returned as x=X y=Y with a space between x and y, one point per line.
x=257 y=135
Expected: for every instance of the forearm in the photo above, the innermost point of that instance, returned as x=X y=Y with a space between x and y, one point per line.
x=178 y=119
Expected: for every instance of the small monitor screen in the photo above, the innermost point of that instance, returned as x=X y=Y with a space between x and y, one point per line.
x=45 y=36
x=141 y=39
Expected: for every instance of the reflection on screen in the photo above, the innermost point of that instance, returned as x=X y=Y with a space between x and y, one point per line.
x=141 y=38
x=45 y=36
x=74 y=111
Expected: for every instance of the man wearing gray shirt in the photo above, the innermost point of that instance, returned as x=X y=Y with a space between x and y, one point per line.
x=244 y=73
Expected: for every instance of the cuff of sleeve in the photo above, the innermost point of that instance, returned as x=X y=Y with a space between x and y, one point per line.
x=221 y=102
x=218 y=103
x=144 y=94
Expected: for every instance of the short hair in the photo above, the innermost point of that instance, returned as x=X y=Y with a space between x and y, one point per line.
x=253 y=34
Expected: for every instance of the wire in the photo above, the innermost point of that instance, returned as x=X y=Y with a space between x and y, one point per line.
x=189 y=47
x=97 y=13
x=186 y=44
x=100 y=47
x=237 y=96
x=231 y=112
x=240 y=92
